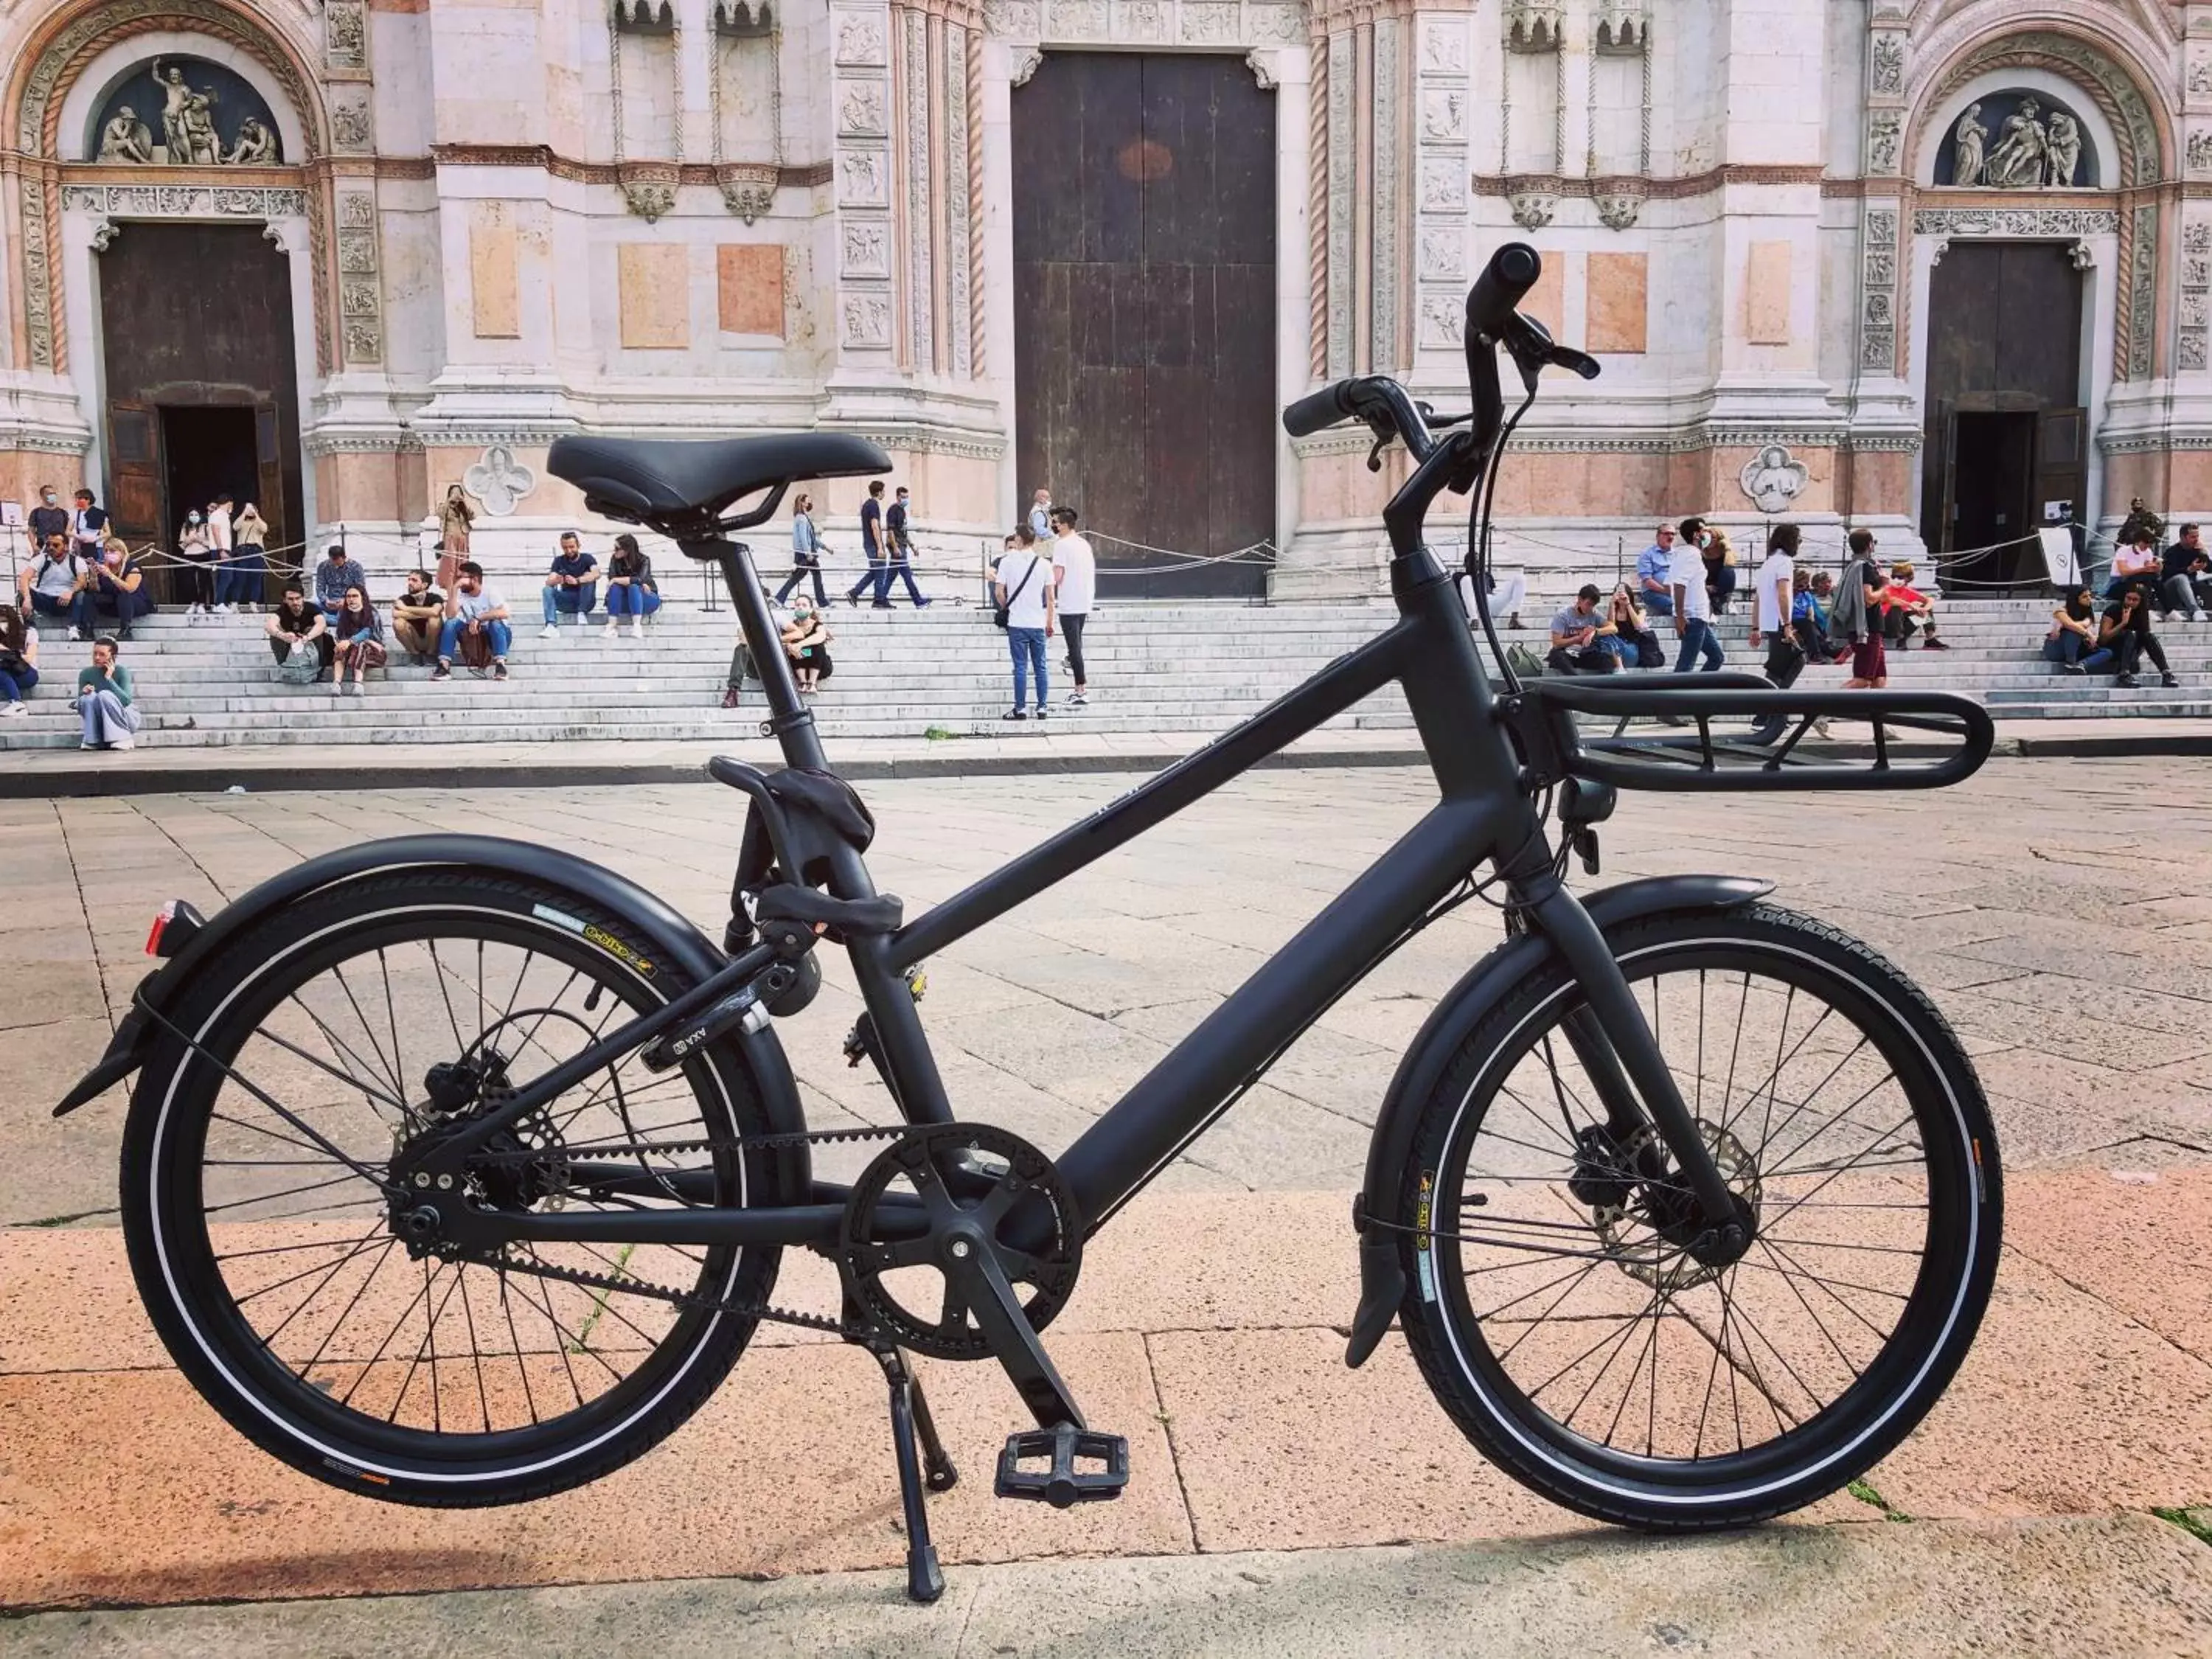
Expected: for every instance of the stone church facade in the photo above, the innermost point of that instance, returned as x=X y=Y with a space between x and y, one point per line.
x=1937 y=266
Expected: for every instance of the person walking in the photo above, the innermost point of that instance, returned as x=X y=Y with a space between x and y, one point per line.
x=872 y=544
x=19 y=661
x=631 y=590
x=1024 y=595
x=107 y=700
x=195 y=573
x=239 y=585
x=359 y=644
x=1690 y=606
x=898 y=552
x=1857 y=615
x=455 y=518
x=1041 y=512
x=805 y=553
x=1075 y=582
x=1773 y=601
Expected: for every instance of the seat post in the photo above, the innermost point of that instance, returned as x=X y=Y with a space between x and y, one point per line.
x=793 y=722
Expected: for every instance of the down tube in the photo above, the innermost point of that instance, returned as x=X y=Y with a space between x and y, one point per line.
x=1173 y=1104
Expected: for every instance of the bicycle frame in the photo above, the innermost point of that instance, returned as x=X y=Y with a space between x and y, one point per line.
x=1484 y=815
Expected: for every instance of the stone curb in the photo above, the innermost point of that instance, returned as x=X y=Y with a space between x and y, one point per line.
x=2119 y=1584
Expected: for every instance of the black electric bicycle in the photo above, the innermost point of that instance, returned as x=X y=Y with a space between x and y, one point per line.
x=458 y=1170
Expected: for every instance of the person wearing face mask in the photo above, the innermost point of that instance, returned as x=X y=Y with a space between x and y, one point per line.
x=118 y=587
x=240 y=583
x=49 y=518
x=88 y=525
x=196 y=575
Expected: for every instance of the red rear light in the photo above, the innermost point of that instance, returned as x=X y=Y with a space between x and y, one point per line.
x=154 y=937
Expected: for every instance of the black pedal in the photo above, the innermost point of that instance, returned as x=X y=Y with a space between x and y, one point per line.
x=1064 y=1483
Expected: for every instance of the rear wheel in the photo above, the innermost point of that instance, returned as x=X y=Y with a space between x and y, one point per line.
x=1554 y=1304
x=265 y=1223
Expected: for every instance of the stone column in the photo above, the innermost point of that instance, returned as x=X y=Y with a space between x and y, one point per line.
x=868 y=289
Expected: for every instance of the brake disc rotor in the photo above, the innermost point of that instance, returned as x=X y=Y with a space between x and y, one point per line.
x=1644 y=1259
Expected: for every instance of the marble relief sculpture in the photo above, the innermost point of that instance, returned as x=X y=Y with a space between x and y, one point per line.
x=2017 y=161
x=1968 y=138
x=175 y=96
x=126 y=138
x=2062 y=146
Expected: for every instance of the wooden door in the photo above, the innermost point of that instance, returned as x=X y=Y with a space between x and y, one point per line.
x=135 y=472
x=268 y=466
x=1944 y=422
x=2062 y=471
x=1145 y=311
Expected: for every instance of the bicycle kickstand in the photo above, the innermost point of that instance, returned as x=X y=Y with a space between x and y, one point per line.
x=910 y=1416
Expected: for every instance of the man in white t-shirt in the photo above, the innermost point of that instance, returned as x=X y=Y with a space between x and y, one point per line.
x=1774 y=593
x=1075 y=580
x=1692 y=610
x=1024 y=586
x=476 y=615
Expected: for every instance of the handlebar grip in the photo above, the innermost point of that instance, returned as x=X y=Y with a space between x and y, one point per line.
x=1318 y=410
x=1511 y=272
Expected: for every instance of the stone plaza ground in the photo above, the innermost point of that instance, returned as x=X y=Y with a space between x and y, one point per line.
x=2060 y=911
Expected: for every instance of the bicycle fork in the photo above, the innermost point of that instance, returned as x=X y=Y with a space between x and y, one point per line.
x=1619 y=1052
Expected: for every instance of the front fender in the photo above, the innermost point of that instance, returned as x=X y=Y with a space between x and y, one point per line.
x=1382 y=1279
x=671 y=935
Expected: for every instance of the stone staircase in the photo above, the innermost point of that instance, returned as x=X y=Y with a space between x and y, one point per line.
x=1191 y=666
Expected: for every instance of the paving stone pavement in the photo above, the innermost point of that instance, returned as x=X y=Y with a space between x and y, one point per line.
x=2060 y=912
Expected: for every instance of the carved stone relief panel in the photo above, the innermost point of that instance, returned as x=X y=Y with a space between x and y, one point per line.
x=860 y=41
x=914 y=50
x=866 y=249
x=1878 y=291
x=1885 y=129
x=346 y=34
x=1443 y=113
x=860 y=109
x=1208 y=22
x=1885 y=65
x=2191 y=340
x=959 y=278
x=1386 y=272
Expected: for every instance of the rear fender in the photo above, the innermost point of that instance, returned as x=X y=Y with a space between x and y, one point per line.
x=672 y=937
x=1382 y=1277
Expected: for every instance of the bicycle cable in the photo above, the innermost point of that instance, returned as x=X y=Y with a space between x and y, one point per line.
x=1477 y=537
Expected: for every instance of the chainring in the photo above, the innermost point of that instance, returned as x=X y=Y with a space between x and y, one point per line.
x=990 y=1175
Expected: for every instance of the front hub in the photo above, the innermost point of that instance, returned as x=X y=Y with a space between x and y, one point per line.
x=1651 y=1221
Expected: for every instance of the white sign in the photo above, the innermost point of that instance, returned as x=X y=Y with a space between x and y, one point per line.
x=11 y=515
x=2058 y=556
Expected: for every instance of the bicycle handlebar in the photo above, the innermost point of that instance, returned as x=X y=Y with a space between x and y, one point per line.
x=1377 y=399
x=1505 y=280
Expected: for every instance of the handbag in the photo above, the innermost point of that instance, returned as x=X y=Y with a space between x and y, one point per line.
x=1648 y=652
x=998 y=612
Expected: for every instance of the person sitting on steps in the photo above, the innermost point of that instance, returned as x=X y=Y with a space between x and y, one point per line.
x=58 y=583
x=298 y=634
x=338 y=572
x=631 y=591
x=1575 y=631
x=107 y=700
x=2185 y=577
x=2124 y=630
x=476 y=621
x=2072 y=642
x=572 y=587
x=416 y=616
x=19 y=661
x=1908 y=608
x=359 y=643
x=806 y=642
x=1632 y=639
x=118 y=587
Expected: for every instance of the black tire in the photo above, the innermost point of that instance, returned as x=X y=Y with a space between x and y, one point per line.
x=240 y=1316
x=1505 y=1231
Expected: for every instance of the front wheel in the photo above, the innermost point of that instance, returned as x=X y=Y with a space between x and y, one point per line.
x=1554 y=1303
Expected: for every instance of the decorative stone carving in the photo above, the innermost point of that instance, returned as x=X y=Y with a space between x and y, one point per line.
x=1145 y=20
x=1025 y=65
x=867 y=320
x=1262 y=71
x=1884 y=129
x=1878 y=300
x=499 y=481
x=1885 y=65
x=860 y=181
x=1442 y=316
x=1084 y=20
x=1443 y=253
x=1283 y=25
x=1624 y=28
x=1386 y=174
x=747 y=187
x=1443 y=113
x=346 y=34
x=2199 y=154
x=1969 y=141
x=1206 y=22
x=188 y=201
x=126 y=138
x=364 y=340
x=648 y=188
x=867 y=249
x=2200 y=74
x=103 y=235
x=350 y=121
x=1342 y=167
x=356 y=211
x=256 y=147
x=1444 y=46
x=1533 y=25
x=1443 y=184
x=1011 y=19
x=2078 y=59
x=1773 y=478
x=860 y=108
x=734 y=20
x=1618 y=210
x=1533 y=208
x=860 y=41
x=357 y=299
x=2052 y=223
x=2081 y=256
x=921 y=286
x=2143 y=311
x=1880 y=267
